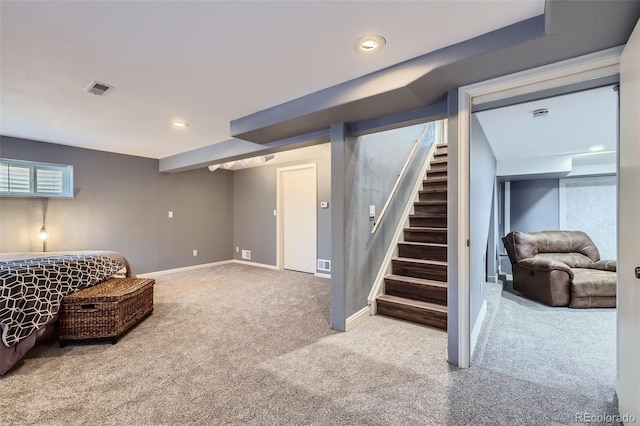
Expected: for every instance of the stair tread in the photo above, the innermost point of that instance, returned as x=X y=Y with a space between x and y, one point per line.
x=429 y=215
x=430 y=202
x=438 y=190
x=436 y=179
x=415 y=243
x=414 y=303
x=421 y=261
x=425 y=229
x=414 y=280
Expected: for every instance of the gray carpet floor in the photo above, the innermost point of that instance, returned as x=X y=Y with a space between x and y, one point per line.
x=235 y=344
x=569 y=349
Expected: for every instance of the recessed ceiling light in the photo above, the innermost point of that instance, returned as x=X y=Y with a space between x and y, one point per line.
x=180 y=124
x=596 y=148
x=369 y=44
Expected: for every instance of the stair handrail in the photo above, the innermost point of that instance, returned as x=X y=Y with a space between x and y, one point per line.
x=376 y=224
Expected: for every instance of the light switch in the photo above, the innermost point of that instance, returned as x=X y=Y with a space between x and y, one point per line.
x=638 y=272
x=275 y=212
x=372 y=211
x=170 y=214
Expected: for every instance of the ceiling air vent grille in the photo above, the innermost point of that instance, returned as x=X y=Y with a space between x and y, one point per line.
x=99 y=89
x=542 y=112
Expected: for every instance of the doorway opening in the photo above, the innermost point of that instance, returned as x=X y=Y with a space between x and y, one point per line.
x=553 y=173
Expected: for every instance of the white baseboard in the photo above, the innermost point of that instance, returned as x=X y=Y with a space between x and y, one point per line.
x=478 y=326
x=321 y=275
x=185 y=268
x=259 y=265
x=492 y=279
x=358 y=318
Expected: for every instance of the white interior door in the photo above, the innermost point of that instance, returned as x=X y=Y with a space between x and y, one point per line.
x=629 y=230
x=299 y=219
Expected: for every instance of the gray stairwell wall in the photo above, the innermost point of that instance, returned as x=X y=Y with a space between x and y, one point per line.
x=482 y=184
x=254 y=200
x=370 y=174
x=122 y=204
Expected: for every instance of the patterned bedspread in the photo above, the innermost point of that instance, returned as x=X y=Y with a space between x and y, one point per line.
x=31 y=290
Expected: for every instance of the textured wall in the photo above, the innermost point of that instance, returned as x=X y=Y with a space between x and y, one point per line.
x=370 y=174
x=482 y=183
x=121 y=204
x=589 y=204
x=254 y=200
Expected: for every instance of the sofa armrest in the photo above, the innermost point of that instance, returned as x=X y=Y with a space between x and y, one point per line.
x=544 y=265
x=604 y=265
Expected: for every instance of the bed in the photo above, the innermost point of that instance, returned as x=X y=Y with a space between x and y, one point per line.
x=32 y=286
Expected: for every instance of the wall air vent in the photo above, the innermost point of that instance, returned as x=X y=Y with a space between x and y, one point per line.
x=99 y=89
x=324 y=265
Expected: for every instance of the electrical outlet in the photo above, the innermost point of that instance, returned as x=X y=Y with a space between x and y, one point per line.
x=372 y=211
x=237 y=249
x=170 y=214
x=195 y=252
x=246 y=254
x=275 y=212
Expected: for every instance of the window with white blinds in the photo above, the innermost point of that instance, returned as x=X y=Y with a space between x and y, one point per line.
x=31 y=179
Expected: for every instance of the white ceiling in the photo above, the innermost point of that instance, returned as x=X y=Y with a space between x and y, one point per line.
x=575 y=123
x=206 y=62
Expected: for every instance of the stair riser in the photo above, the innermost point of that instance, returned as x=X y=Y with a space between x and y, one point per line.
x=410 y=269
x=437 y=208
x=421 y=252
x=438 y=167
x=433 y=185
x=426 y=237
x=436 y=173
x=427 y=222
x=433 y=196
x=425 y=293
x=440 y=154
x=421 y=316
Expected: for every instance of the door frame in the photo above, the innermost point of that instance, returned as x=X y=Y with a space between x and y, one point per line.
x=592 y=66
x=280 y=208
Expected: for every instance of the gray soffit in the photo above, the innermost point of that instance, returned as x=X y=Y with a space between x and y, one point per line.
x=568 y=29
x=236 y=149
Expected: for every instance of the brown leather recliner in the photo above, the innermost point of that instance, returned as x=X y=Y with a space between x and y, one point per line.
x=561 y=268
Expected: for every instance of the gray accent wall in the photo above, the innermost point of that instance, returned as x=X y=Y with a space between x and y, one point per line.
x=121 y=203
x=371 y=171
x=482 y=184
x=255 y=199
x=534 y=205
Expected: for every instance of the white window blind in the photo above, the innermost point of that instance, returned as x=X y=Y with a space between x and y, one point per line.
x=31 y=179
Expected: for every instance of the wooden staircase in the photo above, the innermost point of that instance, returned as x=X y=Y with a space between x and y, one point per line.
x=416 y=290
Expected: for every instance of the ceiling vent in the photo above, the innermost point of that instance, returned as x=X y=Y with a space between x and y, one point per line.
x=99 y=89
x=542 y=112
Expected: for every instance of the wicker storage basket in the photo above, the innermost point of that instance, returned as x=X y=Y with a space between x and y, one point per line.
x=105 y=310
